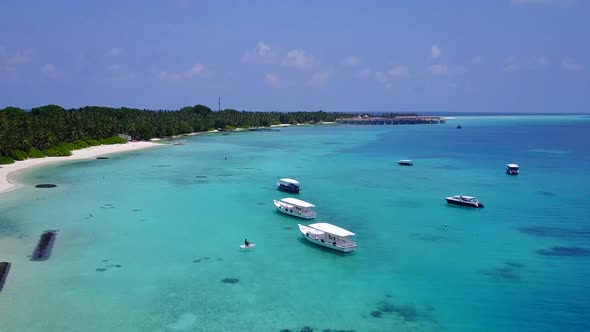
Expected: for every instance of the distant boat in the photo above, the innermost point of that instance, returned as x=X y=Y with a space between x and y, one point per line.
x=250 y=246
x=512 y=169
x=296 y=208
x=329 y=236
x=462 y=200
x=459 y=127
x=405 y=162
x=289 y=185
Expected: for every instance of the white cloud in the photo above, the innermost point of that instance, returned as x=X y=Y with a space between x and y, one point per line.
x=435 y=51
x=439 y=70
x=320 y=78
x=21 y=58
x=195 y=71
x=381 y=77
x=511 y=65
x=542 y=60
x=571 y=64
x=114 y=52
x=478 y=60
x=399 y=71
x=298 y=59
x=51 y=70
x=272 y=79
x=262 y=53
x=365 y=73
x=351 y=61
x=540 y=2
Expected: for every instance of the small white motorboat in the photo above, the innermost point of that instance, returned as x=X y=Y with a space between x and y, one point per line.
x=405 y=162
x=250 y=246
x=289 y=185
x=462 y=200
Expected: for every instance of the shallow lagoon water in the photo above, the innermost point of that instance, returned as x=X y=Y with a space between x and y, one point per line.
x=149 y=241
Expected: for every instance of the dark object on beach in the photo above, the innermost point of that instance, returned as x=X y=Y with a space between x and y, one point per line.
x=4 y=268
x=376 y=314
x=230 y=280
x=102 y=157
x=459 y=127
x=44 y=246
x=46 y=185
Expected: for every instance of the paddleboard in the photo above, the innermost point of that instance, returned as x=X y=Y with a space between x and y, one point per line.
x=243 y=246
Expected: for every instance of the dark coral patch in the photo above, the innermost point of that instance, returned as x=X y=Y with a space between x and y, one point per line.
x=504 y=272
x=306 y=329
x=376 y=313
x=514 y=264
x=564 y=251
x=101 y=269
x=230 y=280
x=545 y=193
x=102 y=158
x=556 y=232
x=196 y=260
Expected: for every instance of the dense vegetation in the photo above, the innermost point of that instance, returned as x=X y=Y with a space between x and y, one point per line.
x=54 y=131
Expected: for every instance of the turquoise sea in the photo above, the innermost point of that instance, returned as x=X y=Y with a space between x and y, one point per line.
x=147 y=238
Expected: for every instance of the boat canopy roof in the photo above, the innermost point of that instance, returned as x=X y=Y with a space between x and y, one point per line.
x=298 y=202
x=291 y=181
x=512 y=165
x=405 y=161
x=466 y=197
x=332 y=229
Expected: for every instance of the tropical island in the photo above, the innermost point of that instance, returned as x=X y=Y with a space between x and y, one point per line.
x=53 y=131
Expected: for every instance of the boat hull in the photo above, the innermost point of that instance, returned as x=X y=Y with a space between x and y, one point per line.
x=288 y=189
x=461 y=203
x=292 y=212
x=321 y=242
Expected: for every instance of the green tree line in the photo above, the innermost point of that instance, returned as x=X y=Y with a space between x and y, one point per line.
x=52 y=130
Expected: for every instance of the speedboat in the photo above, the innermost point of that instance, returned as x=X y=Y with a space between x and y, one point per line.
x=329 y=236
x=463 y=200
x=289 y=185
x=405 y=162
x=512 y=169
x=296 y=208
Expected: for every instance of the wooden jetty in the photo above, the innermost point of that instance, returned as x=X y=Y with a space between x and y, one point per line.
x=397 y=120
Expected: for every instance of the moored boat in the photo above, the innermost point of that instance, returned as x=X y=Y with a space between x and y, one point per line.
x=512 y=169
x=462 y=200
x=289 y=185
x=405 y=162
x=296 y=207
x=329 y=236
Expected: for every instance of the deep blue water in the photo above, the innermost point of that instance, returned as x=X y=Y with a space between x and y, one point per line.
x=166 y=224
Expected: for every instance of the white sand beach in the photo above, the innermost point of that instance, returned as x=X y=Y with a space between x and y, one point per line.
x=5 y=170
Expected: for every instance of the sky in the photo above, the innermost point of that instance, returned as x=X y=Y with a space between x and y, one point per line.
x=344 y=56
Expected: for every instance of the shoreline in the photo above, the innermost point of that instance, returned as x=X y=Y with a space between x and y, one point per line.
x=7 y=185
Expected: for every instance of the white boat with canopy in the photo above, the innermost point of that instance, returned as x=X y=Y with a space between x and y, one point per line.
x=296 y=207
x=329 y=236
x=289 y=185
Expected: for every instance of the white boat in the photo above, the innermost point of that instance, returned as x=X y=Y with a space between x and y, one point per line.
x=329 y=236
x=289 y=185
x=462 y=200
x=250 y=246
x=512 y=169
x=296 y=207
x=405 y=162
